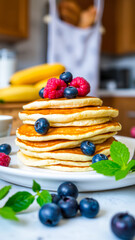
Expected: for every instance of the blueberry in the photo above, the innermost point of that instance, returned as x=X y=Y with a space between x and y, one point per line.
x=99 y=157
x=68 y=189
x=66 y=77
x=89 y=207
x=41 y=92
x=123 y=226
x=70 y=92
x=88 y=148
x=55 y=198
x=5 y=148
x=68 y=206
x=50 y=214
x=42 y=126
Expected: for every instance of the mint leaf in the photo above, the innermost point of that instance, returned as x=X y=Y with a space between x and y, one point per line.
x=4 y=191
x=44 y=197
x=36 y=187
x=20 y=201
x=106 y=167
x=133 y=167
x=8 y=213
x=123 y=172
x=119 y=153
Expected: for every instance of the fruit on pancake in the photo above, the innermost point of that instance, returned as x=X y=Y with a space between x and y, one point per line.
x=42 y=126
x=70 y=92
x=66 y=77
x=4 y=159
x=123 y=226
x=89 y=207
x=82 y=86
x=50 y=214
x=37 y=73
x=54 y=88
x=68 y=206
x=19 y=93
x=67 y=189
x=99 y=157
x=41 y=92
x=5 y=148
x=88 y=148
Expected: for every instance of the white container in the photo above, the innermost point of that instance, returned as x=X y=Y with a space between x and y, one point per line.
x=5 y=125
x=7 y=66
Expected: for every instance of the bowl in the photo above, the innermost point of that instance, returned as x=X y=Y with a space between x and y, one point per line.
x=5 y=125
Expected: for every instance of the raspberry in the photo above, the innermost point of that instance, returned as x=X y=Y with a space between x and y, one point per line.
x=4 y=160
x=54 y=88
x=82 y=86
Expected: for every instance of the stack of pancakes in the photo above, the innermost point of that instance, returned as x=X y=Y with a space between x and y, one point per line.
x=72 y=121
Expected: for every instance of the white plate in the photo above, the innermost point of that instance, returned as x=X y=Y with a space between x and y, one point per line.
x=86 y=181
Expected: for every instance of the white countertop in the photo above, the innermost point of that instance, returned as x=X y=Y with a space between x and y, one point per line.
x=116 y=93
x=79 y=228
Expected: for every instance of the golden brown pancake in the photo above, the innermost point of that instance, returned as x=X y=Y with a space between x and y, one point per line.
x=45 y=146
x=64 y=103
x=68 y=115
x=27 y=132
x=83 y=122
x=71 y=154
x=71 y=159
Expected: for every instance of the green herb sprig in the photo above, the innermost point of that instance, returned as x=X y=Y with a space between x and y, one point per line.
x=119 y=166
x=22 y=200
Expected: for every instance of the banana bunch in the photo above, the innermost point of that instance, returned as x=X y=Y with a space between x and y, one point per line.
x=25 y=84
x=22 y=93
x=35 y=74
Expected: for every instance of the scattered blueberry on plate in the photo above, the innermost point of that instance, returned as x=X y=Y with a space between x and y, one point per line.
x=88 y=148
x=99 y=157
x=50 y=214
x=5 y=148
x=70 y=92
x=42 y=126
x=89 y=207
x=123 y=226
x=66 y=77
x=67 y=189
x=41 y=92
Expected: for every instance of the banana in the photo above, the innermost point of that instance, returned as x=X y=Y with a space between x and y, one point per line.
x=35 y=74
x=22 y=93
x=43 y=83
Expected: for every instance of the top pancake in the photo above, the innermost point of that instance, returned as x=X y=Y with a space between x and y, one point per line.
x=63 y=103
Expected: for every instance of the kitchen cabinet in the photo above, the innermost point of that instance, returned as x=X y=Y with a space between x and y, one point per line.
x=12 y=109
x=119 y=22
x=13 y=20
x=126 y=106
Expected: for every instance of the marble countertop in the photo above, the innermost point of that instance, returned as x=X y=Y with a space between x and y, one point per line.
x=116 y=92
x=30 y=228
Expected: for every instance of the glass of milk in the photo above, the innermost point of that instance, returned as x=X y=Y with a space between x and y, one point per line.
x=7 y=66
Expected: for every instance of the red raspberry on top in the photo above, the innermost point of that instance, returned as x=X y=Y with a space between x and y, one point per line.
x=54 y=88
x=4 y=159
x=82 y=86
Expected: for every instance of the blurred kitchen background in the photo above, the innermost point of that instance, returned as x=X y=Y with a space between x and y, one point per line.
x=23 y=43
